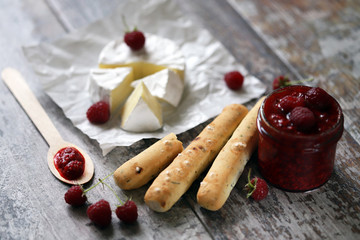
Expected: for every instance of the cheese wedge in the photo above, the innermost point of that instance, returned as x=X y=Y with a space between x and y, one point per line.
x=141 y=112
x=158 y=53
x=111 y=85
x=166 y=85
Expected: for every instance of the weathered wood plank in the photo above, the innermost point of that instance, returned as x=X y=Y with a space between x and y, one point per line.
x=328 y=202
x=31 y=210
x=23 y=151
x=33 y=204
x=238 y=37
x=330 y=212
x=317 y=38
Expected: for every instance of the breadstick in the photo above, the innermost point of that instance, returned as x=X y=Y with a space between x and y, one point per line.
x=229 y=164
x=145 y=166
x=176 y=179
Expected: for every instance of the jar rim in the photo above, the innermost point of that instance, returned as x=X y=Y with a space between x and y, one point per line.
x=329 y=131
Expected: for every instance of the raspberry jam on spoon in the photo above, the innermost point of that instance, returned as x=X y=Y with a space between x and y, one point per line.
x=299 y=127
x=72 y=165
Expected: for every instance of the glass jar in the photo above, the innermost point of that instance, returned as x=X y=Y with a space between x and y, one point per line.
x=296 y=161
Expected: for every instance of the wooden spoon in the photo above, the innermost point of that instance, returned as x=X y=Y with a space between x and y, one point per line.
x=37 y=114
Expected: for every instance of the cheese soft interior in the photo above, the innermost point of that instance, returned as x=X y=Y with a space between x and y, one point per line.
x=111 y=85
x=141 y=112
x=166 y=85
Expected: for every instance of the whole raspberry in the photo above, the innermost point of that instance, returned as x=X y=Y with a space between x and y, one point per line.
x=280 y=81
x=303 y=118
x=135 y=40
x=75 y=196
x=317 y=98
x=100 y=213
x=288 y=103
x=234 y=80
x=98 y=113
x=127 y=212
x=257 y=188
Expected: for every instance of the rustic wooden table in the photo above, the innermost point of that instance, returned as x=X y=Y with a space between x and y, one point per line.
x=297 y=38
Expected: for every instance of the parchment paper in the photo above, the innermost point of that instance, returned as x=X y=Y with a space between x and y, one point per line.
x=63 y=67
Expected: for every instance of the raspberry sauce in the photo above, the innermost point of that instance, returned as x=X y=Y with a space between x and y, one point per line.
x=298 y=158
x=70 y=163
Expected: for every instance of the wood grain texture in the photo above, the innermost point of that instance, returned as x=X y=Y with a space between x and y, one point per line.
x=25 y=97
x=32 y=199
x=299 y=38
x=319 y=39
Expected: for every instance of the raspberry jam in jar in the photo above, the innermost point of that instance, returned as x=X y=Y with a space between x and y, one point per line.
x=70 y=163
x=299 y=127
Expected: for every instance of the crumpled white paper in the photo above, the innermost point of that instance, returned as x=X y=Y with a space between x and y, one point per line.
x=63 y=67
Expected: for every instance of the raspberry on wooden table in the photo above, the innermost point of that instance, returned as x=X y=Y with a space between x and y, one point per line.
x=280 y=81
x=100 y=213
x=261 y=189
x=75 y=196
x=127 y=212
x=257 y=188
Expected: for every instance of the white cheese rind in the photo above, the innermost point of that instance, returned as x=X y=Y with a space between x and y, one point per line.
x=141 y=112
x=166 y=85
x=157 y=54
x=110 y=85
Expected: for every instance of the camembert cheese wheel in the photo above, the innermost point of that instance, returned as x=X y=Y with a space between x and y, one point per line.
x=158 y=53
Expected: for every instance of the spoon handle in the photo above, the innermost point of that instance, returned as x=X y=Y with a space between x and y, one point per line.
x=20 y=89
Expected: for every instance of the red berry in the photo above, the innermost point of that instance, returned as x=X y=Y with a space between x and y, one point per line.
x=73 y=170
x=98 y=112
x=127 y=212
x=288 y=103
x=135 y=40
x=317 y=98
x=234 y=80
x=303 y=118
x=100 y=213
x=257 y=189
x=75 y=196
x=69 y=162
x=280 y=82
